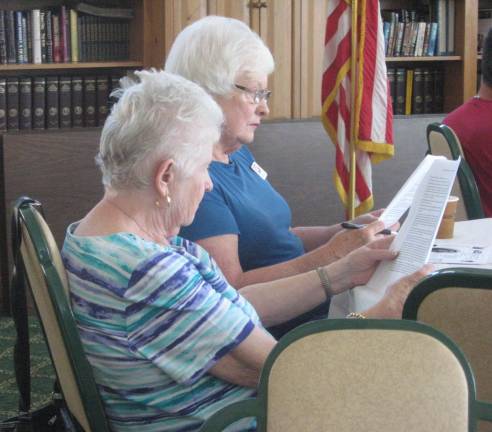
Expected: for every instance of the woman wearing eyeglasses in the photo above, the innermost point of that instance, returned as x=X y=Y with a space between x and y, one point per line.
x=244 y=223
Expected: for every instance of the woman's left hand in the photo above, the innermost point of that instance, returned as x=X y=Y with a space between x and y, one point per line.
x=349 y=240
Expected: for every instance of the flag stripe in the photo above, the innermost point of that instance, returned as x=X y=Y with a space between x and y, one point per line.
x=372 y=112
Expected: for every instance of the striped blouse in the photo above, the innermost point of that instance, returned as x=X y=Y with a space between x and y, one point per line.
x=153 y=320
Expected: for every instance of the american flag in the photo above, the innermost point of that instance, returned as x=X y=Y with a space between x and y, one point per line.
x=373 y=110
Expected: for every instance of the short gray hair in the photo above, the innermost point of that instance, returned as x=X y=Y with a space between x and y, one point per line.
x=163 y=116
x=214 y=50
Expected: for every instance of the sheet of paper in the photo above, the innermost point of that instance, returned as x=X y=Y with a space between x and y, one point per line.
x=404 y=197
x=459 y=254
x=414 y=240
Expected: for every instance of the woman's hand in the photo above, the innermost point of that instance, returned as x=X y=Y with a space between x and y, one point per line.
x=368 y=218
x=358 y=266
x=391 y=305
x=349 y=240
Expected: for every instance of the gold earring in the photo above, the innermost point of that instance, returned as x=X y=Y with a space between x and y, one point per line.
x=168 y=199
x=157 y=203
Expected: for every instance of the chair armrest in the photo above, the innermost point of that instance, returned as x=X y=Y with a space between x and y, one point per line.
x=230 y=414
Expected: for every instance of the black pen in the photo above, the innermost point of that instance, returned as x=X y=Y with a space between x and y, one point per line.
x=352 y=225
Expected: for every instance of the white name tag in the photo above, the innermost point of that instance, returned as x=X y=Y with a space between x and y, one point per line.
x=259 y=170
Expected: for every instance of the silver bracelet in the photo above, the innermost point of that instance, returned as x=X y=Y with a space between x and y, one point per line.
x=325 y=281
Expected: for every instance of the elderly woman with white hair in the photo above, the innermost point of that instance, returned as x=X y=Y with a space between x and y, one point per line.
x=169 y=339
x=244 y=223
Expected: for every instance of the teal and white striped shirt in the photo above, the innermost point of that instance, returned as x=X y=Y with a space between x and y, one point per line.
x=153 y=321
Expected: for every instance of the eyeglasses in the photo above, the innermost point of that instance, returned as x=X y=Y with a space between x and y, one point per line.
x=257 y=95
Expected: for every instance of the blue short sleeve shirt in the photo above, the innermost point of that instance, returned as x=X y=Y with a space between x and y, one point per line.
x=244 y=203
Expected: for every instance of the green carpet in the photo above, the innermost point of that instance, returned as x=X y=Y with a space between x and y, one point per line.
x=42 y=372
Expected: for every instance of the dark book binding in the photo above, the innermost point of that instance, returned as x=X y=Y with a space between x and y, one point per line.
x=49 y=36
x=438 y=90
x=400 y=91
x=65 y=90
x=90 y=118
x=52 y=105
x=102 y=99
x=3 y=104
x=418 y=92
x=77 y=102
x=10 y=30
x=428 y=91
x=19 y=38
x=12 y=103
x=25 y=103
x=3 y=38
x=391 y=73
x=42 y=31
x=39 y=103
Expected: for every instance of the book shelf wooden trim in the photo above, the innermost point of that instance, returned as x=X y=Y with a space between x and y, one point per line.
x=73 y=65
x=424 y=59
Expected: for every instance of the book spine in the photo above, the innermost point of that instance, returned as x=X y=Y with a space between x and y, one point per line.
x=442 y=27
x=82 y=38
x=19 y=37
x=42 y=32
x=418 y=92
x=64 y=40
x=52 y=105
x=65 y=102
x=55 y=31
x=450 y=14
x=77 y=102
x=3 y=38
x=11 y=44
x=49 y=36
x=431 y=49
x=425 y=46
x=39 y=103
x=36 y=36
x=408 y=91
x=390 y=72
x=74 y=35
x=428 y=91
x=90 y=101
x=12 y=103
x=3 y=104
x=27 y=29
x=438 y=90
x=102 y=99
x=400 y=91
x=25 y=103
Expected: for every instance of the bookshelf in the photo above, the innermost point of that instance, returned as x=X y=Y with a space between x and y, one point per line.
x=459 y=69
x=46 y=163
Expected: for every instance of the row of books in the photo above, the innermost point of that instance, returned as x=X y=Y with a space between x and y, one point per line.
x=484 y=25
x=416 y=90
x=427 y=31
x=52 y=102
x=59 y=35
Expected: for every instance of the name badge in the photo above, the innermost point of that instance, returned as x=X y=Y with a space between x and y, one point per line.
x=259 y=170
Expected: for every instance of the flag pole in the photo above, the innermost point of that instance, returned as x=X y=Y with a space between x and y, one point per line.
x=353 y=86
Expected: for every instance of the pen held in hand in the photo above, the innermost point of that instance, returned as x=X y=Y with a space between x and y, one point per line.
x=352 y=225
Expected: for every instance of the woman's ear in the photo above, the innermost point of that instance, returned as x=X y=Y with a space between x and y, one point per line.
x=164 y=175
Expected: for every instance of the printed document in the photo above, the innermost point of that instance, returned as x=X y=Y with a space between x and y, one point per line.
x=414 y=240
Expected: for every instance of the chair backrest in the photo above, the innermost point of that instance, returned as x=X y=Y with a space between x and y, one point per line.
x=459 y=303
x=442 y=140
x=48 y=283
x=371 y=375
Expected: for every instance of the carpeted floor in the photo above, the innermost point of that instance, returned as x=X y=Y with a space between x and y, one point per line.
x=42 y=373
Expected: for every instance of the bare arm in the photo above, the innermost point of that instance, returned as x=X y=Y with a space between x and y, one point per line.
x=224 y=249
x=242 y=366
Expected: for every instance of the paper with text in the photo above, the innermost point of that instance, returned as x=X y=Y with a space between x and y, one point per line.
x=414 y=240
x=404 y=197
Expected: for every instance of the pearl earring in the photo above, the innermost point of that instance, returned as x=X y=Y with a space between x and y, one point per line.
x=157 y=203
x=168 y=199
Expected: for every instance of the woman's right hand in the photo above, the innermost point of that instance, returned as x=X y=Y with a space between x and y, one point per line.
x=357 y=267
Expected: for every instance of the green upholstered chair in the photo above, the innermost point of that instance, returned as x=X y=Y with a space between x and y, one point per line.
x=442 y=140
x=458 y=301
x=38 y=256
x=370 y=375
